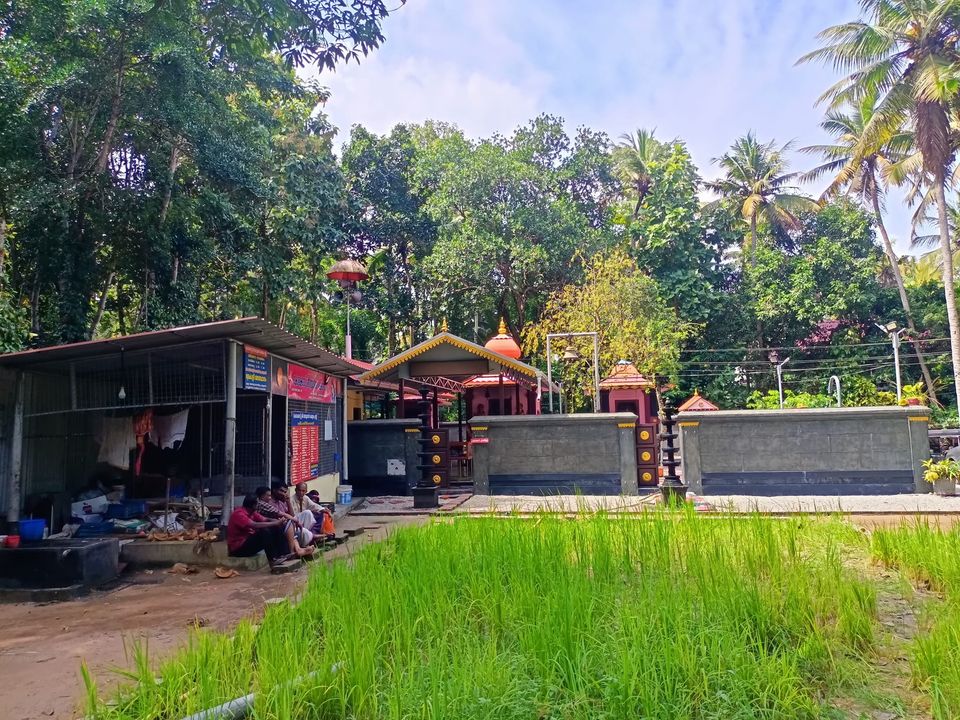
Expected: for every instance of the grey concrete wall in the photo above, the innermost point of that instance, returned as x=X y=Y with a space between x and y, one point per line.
x=532 y=454
x=829 y=450
x=371 y=444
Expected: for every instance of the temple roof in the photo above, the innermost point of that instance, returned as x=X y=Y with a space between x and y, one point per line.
x=447 y=361
x=504 y=343
x=625 y=376
x=697 y=402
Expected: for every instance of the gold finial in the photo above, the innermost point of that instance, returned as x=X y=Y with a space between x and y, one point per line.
x=696 y=392
x=444 y=327
x=503 y=327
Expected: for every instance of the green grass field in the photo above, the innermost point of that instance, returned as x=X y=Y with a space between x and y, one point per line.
x=661 y=616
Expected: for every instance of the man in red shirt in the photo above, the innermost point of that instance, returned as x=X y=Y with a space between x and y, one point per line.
x=249 y=532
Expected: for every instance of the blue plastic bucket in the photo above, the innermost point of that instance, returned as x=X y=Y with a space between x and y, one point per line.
x=32 y=530
x=344 y=494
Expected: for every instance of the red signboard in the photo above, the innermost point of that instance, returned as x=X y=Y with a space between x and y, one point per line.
x=306 y=384
x=304 y=447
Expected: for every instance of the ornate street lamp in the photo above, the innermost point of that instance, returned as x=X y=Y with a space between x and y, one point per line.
x=348 y=273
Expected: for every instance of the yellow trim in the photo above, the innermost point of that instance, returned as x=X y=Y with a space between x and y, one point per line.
x=919 y=418
x=412 y=430
x=625 y=425
x=481 y=428
x=688 y=423
x=456 y=342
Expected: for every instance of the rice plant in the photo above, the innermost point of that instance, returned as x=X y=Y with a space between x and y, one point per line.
x=664 y=615
x=931 y=558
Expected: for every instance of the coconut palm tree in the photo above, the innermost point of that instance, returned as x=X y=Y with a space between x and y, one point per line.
x=755 y=176
x=906 y=51
x=861 y=171
x=633 y=157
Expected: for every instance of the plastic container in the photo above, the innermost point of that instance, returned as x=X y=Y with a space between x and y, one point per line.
x=12 y=542
x=32 y=530
x=344 y=494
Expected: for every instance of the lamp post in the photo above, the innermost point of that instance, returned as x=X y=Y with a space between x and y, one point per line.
x=890 y=329
x=834 y=380
x=348 y=273
x=571 y=354
x=774 y=358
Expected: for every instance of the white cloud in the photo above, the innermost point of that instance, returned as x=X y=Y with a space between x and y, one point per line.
x=703 y=71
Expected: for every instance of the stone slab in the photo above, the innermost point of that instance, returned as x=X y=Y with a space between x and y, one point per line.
x=144 y=553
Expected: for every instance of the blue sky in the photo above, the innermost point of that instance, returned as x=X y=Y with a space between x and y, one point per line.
x=705 y=71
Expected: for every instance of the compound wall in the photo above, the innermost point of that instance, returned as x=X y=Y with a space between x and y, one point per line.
x=591 y=454
x=828 y=451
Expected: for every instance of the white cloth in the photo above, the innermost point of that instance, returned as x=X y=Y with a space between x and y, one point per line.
x=304 y=534
x=117 y=439
x=169 y=429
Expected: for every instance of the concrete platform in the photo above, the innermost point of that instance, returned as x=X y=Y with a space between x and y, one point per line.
x=52 y=570
x=146 y=553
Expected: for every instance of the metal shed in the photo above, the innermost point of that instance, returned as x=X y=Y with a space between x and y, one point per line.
x=250 y=402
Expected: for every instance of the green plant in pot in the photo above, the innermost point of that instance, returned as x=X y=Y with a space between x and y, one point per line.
x=913 y=394
x=942 y=474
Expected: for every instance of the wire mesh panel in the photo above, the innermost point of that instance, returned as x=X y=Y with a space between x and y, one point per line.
x=193 y=373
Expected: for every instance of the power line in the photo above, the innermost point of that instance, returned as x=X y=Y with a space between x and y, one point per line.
x=796 y=348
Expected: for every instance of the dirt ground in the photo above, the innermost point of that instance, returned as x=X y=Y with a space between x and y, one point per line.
x=42 y=646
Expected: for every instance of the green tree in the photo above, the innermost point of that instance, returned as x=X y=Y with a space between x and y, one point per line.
x=139 y=150
x=833 y=275
x=907 y=52
x=510 y=219
x=756 y=177
x=675 y=240
x=391 y=223
x=861 y=171
x=624 y=307
x=633 y=158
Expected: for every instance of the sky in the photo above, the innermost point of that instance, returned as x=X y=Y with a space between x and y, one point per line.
x=705 y=71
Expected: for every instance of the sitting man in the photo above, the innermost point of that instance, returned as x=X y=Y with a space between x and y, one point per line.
x=249 y=532
x=277 y=505
x=274 y=505
x=320 y=520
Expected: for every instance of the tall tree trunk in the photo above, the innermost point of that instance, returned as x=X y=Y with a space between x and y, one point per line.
x=115 y=103
x=948 y=291
x=101 y=306
x=753 y=240
x=165 y=203
x=3 y=245
x=904 y=299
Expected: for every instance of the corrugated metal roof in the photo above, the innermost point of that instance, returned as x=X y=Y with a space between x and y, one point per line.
x=251 y=330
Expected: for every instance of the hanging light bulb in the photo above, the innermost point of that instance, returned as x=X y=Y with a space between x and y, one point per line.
x=122 y=395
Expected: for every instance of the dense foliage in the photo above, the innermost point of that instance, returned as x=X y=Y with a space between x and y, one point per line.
x=164 y=163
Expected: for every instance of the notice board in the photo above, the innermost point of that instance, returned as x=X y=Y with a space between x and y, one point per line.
x=256 y=368
x=304 y=447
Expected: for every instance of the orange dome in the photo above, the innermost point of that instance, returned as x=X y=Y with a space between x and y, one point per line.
x=504 y=343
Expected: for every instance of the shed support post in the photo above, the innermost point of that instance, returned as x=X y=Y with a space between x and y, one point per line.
x=230 y=435
x=400 y=403
x=268 y=438
x=345 y=465
x=15 y=490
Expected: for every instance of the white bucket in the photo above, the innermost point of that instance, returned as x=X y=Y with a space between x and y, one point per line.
x=344 y=494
